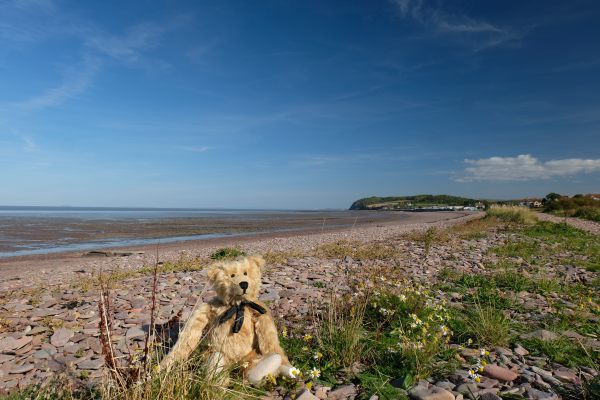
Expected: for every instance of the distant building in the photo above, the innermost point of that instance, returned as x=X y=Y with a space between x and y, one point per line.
x=533 y=203
x=594 y=196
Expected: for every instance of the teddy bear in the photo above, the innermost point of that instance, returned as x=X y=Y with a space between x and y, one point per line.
x=239 y=328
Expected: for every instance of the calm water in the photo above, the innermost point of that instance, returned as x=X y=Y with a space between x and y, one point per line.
x=42 y=230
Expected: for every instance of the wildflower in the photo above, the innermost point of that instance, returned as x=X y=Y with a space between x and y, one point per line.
x=272 y=379
x=284 y=332
x=474 y=376
x=444 y=330
x=484 y=352
x=294 y=372
x=470 y=341
x=307 y=337
x=315 y=373
x=308 y=385
x=318 y=355
x=305 y=348
x=402 y=297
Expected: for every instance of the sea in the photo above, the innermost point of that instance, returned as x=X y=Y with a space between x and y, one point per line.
x=46 y=230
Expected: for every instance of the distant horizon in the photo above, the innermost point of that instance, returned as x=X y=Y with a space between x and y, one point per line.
x=200 y=208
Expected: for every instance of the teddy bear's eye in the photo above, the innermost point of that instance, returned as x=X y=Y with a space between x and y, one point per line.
x=245 y=273
x=233 y=275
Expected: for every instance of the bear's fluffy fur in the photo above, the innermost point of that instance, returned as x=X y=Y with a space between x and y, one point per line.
x=256 y=346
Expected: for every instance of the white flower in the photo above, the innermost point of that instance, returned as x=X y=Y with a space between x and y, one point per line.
x=294 y=372
x=315 y=373
x=402 y=297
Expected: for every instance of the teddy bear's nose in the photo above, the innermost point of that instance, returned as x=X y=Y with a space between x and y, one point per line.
x=244 y=285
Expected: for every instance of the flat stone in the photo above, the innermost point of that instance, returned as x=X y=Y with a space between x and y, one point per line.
x=489 y=396
x=520 y=350
x=499 y=373
x=21 y=369
x=41 y=354
x=535 y=394
x=61 y=337
x=36 y=330
x=566 y=375
x=91 y=364
x=306 y=395
x=10 y=344
x=432 y=393
x=6 y=358
x=342 y=393
x=135 y=333
x=540 y=334
x=321 y=392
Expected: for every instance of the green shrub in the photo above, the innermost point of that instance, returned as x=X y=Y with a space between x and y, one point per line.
x=514 y=214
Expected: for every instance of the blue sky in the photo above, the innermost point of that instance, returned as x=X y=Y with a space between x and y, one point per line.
x=295 y=104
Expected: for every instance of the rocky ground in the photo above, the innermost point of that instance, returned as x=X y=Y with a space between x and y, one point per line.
x=49 y=323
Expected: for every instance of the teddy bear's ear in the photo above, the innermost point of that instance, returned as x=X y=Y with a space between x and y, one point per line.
x=214 y=272
x=257 y=261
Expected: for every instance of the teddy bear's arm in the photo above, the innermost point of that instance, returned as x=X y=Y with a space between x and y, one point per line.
x=189 y=336
x=268 y=342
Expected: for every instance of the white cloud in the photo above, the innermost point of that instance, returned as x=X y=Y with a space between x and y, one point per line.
x=443 y=22
x=525 y=167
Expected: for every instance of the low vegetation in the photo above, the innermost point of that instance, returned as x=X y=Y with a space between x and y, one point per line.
x=388 y=331
x=578 y=206
x=514 y=214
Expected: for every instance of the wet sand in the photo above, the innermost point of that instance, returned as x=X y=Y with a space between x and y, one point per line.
x=54 y=269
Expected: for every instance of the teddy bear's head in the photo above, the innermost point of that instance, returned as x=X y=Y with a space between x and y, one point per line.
x=238 y=279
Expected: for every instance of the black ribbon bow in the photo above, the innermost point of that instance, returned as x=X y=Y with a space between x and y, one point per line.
x=238 y=310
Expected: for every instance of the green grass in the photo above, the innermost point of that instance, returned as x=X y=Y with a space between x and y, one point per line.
x=483 y=323
x=562 y=351
x=227 y=253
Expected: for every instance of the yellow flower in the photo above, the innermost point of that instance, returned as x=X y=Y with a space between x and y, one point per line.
x=272 y=379
x=307 y=337
x=308 y=385
x=477 y=379
x=284 y=333
x=318 y=355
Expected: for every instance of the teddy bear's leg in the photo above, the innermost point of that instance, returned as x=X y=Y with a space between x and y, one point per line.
x=215 y=362
x=215 y=365
x=188 y=337
x=268 y=342
x=268 y=365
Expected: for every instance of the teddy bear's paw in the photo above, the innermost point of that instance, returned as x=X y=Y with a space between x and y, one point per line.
x=267 y=366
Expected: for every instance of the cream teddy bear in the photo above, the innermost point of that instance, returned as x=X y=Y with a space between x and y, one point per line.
x=239 y=327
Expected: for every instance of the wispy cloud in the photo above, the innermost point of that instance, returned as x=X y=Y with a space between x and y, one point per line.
x=28 y=144
x=489 y=35
x=40 y=20
x=75 y=82
x=194 y=149
x=525 y=167
x=128 y=47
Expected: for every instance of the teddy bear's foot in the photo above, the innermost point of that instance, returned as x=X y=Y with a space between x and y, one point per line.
x=285 y=370
x=268 y=365
x=215 y=364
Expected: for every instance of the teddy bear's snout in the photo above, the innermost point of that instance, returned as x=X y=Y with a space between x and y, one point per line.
x=244 y=286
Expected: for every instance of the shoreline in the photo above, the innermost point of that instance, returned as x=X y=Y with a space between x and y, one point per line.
x=54 y=269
